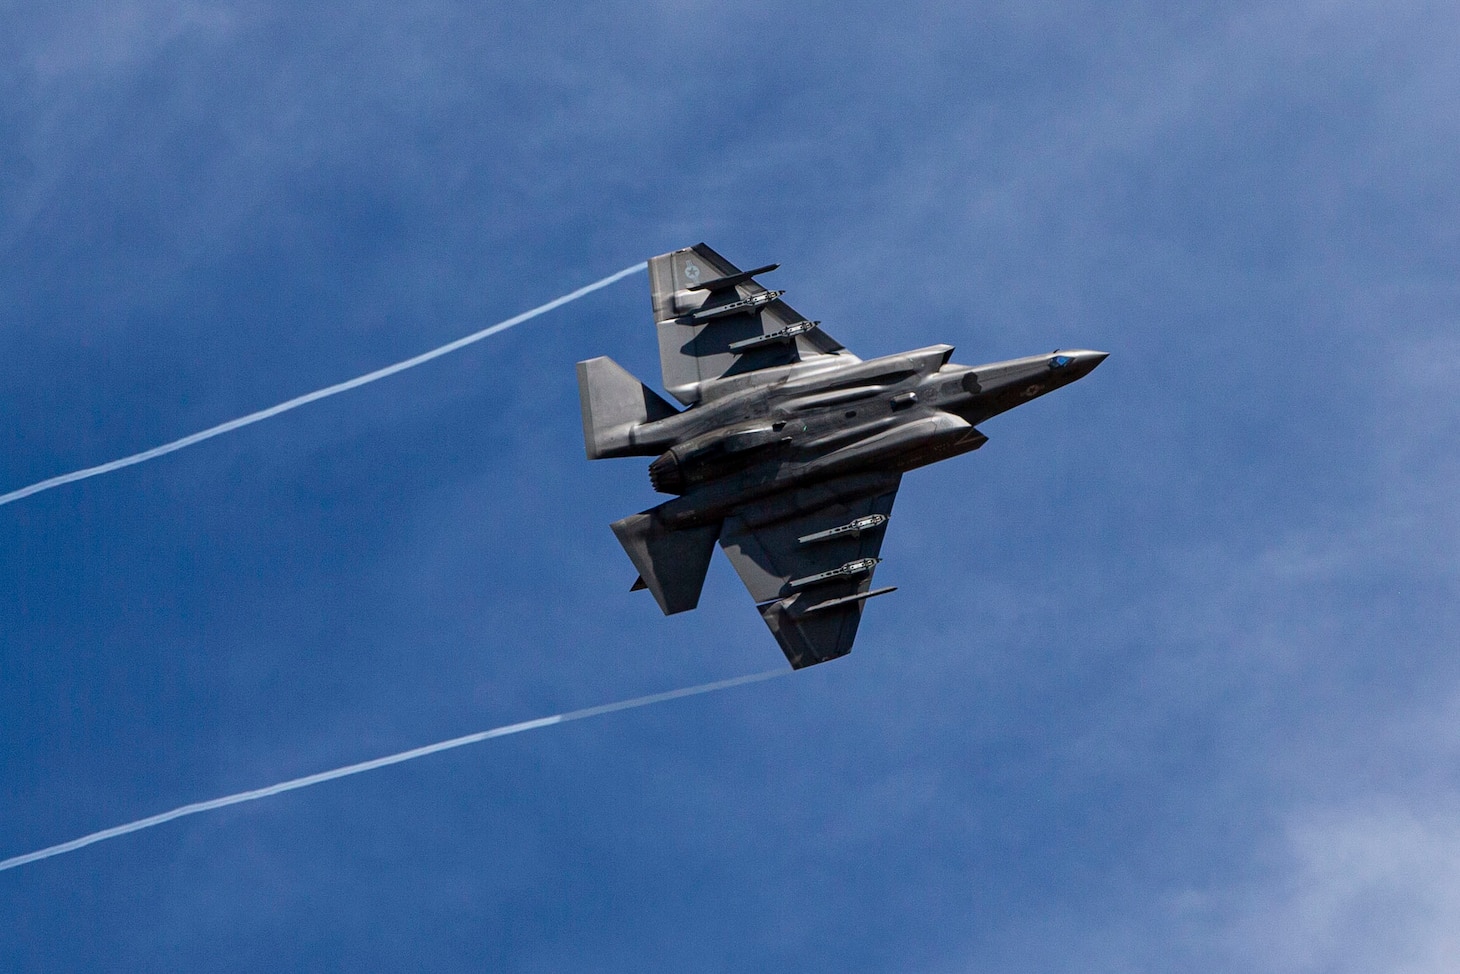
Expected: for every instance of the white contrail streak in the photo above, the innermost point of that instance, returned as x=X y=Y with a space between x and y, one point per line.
x=309 y=397
x=363 y=766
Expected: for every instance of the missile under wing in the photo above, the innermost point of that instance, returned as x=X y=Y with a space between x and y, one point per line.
x=811 y=592
x=715 y=321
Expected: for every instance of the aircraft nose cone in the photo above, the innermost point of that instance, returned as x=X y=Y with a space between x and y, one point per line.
x=1083 y=361
x=1086 y=360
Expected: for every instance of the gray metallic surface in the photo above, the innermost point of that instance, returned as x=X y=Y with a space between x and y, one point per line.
x=791 y=449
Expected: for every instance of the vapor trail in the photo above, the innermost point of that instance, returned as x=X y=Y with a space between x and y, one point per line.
x=310 y=397
x=371 y=765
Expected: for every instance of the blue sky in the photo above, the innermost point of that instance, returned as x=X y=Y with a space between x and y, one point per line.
x=1171 y=679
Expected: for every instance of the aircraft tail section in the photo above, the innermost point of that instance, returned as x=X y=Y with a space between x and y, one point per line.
x=672 y=563
x=613 y=403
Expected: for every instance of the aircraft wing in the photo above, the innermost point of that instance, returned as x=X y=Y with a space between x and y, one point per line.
x=811 y=574
x=715 y=320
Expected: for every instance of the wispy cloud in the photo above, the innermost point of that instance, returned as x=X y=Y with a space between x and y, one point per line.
x=1370 y=889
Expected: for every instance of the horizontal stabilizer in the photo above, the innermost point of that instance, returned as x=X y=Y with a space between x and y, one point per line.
x=672 y=564
x=613 y=403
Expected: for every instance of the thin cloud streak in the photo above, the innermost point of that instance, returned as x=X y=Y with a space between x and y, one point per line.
x=351 y=769
x=315 y=396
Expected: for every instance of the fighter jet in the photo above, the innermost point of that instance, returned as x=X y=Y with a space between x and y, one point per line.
x=789 y=449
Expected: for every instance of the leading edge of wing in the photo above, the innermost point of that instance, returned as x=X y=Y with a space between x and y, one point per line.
x=715 y=321
x=811 y=573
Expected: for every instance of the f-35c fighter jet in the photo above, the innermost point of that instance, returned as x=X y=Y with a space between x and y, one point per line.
x=790 y=449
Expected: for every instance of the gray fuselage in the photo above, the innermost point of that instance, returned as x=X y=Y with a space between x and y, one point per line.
x=779 y=429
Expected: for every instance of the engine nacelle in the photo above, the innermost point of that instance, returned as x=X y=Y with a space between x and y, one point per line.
x=713 y=454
